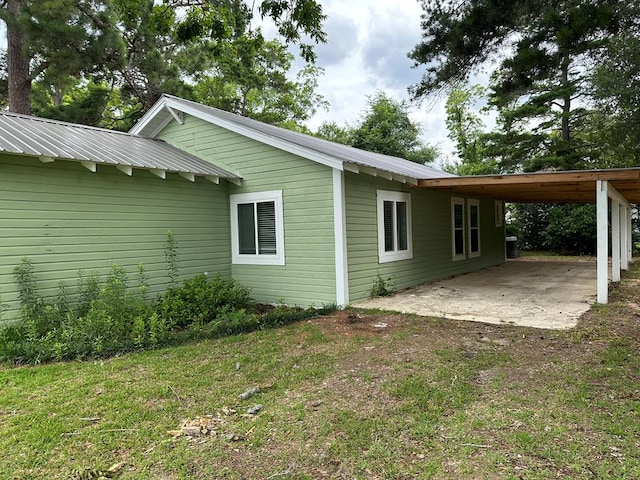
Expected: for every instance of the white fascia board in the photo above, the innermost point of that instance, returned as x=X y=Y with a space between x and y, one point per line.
x=45 y=159
x=139 y=127
x=236 y=181
x=259 y=136
x=154 y=133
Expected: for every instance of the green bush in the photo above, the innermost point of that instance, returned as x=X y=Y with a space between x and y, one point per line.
x=201 y=300
x=110 y=318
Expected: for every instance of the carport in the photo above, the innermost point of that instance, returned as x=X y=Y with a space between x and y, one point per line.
x=612 y=191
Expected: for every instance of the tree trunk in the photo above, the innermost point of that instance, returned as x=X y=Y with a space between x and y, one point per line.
x=19 y=80
x=566 y=103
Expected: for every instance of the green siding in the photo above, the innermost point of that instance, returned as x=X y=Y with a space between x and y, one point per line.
x=308 y=276
x=432 y=250
x=66 y=218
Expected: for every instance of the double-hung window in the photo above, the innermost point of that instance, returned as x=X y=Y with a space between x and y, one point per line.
x=394 y=226
x=257 y=232
x=473 y=207
x=457 y=224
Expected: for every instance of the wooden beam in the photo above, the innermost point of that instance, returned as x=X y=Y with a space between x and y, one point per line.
x=159 y=173
x=45 y=159
x=533 y=178
x=126 y=169
x=350 y=167
x=178 y=116
x=189 y=176
x=91 y=166
x=235 y=181
x=213 y=178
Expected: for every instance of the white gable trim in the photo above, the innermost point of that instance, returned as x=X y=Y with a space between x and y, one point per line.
x=250 y=133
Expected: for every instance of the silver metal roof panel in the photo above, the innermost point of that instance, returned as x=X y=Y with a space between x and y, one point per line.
x=27 y=135
x=305 y=145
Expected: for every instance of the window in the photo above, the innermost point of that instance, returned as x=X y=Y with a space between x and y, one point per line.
x=457 y=224
x=474 y=228
x=257 y=233
x=394 y=226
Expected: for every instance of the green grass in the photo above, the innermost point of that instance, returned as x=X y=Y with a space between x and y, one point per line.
x=427 y=399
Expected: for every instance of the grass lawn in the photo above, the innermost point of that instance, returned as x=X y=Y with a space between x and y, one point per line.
x=351 y=395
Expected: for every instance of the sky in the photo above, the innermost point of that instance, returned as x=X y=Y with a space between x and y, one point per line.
x=366 y=52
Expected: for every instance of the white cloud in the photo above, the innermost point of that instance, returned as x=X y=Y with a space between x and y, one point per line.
x=368 y=43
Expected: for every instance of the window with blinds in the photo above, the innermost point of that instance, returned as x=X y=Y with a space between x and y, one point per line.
x=257 y=229
x=457 y=224
x=474 y=228
x=394 y=226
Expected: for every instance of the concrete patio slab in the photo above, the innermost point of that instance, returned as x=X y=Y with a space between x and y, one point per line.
x=537 y=293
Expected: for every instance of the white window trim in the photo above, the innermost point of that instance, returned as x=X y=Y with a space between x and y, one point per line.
x=499 y=213
x=257 y=259
x=384 y=257
x=461 y=256
x=471 y=203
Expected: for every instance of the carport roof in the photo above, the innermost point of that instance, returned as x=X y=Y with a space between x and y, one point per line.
x=552 y=187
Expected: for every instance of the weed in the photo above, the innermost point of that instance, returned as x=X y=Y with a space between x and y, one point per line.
x=383 y=287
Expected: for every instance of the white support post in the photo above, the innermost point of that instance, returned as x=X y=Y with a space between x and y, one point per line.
x=602 y=205
x=629 y=223
x=624 y=237
x=615 y=240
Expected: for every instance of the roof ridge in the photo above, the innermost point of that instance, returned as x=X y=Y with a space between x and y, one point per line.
x=258 y=125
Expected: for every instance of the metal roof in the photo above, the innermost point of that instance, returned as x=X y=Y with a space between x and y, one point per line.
x=313 y=148
x=51 y=139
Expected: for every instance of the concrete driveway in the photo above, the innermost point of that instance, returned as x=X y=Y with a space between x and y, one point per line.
x=532 y=293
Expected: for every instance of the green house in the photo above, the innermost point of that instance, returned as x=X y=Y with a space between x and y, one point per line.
x=297 y=219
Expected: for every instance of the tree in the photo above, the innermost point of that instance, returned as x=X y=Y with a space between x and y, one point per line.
x=466 y=131
x=545 y=50
x=143 y=48
x=249 y=77
x=385 y=127
x=335 y=133
x=55 y=39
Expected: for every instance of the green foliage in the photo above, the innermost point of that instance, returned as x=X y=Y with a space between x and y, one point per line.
x=250 y=78
x=171 y=258
x=564 y=228
x=572 y=229
x=105 y=62
x=383 y=287
x=385 y=127
x=201 y=300
x=465 y=130
x=545 y=54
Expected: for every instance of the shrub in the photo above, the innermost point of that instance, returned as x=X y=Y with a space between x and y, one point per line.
x=201 y=300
